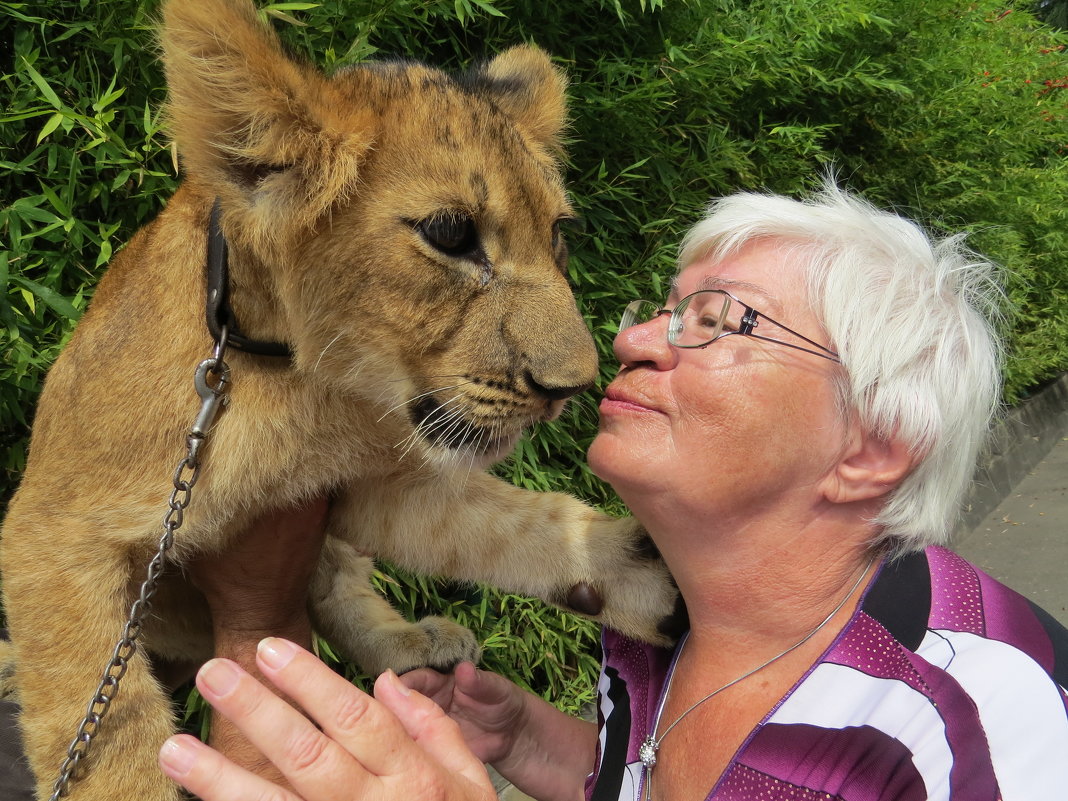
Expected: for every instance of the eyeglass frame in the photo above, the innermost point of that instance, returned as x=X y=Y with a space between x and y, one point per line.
x=749 y=321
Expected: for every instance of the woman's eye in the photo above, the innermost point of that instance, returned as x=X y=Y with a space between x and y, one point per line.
x=453 y=234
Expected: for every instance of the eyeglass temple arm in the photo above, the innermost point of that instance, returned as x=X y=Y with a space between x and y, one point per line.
x=823 y=352
x=749 y=322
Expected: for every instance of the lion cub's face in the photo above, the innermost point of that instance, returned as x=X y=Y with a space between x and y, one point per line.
x=406 y=223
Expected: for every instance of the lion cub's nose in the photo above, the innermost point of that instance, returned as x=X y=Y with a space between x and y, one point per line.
x=555 y=392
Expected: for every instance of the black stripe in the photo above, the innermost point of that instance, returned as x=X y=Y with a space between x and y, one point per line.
x=900 y=599
x=617 y=738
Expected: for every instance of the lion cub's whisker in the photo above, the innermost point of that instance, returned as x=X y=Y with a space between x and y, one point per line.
x=430 y=423
x=458 y=423
x=448 y=421
x=325 y=349
x=583 y=408
x=417 y=397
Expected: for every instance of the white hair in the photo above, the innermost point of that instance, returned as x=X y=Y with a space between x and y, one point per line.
x=914 y=321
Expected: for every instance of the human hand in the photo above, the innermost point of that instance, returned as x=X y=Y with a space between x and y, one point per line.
x=258 y=585
x=397 y=745
x=542 y=751
x=488 y=708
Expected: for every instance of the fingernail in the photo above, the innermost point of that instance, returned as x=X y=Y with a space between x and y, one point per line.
x=275 y=652
x=219 y=676
x=399 y=685
x=178 y=755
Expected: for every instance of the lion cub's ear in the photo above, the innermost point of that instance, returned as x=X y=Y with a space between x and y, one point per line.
x=525 y=85
x=267 y=134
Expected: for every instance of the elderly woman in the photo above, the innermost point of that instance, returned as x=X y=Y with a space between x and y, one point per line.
x=795 y=428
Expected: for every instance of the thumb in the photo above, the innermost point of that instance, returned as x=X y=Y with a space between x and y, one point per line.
x=431 y=728
x=487 y=698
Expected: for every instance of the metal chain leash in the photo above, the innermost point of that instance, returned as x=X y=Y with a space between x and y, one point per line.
x=185 y=477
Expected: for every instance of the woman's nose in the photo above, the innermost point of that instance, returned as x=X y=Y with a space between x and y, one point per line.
x=646 y=344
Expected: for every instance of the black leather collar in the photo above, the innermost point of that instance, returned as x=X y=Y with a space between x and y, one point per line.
x=217 y=309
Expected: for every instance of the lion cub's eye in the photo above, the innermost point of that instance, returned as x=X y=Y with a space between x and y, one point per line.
x=454 y=234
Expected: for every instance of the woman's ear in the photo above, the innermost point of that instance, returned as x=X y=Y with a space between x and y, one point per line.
x=871 y=466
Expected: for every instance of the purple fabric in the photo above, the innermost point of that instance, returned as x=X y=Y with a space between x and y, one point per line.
x=1010 y=620
x=861 y=752
x=1004 y=614
x=859 y=764
x=867 y=647
x=956 y=596
x=972 y=775
x=644 y=670
x=742 y=783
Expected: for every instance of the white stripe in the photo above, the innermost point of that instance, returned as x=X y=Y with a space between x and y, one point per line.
x=628 y=791
x=1019 y=706
x=835 y=697
x=603 y=683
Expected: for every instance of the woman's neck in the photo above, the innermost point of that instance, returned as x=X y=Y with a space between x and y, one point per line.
x=766 y=585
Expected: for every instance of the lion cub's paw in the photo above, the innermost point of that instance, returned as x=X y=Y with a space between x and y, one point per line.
x=631 y=590
x=434 y=642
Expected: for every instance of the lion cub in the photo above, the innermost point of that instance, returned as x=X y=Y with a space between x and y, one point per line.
x=397 y=230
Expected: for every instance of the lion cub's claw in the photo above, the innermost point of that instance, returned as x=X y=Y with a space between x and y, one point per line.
x=434 y=642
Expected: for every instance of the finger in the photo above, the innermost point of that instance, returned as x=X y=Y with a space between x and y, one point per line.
x=429 y=682
x=356 y=722
x=487 y=699
x=481 y=686
x=210 y=776
x=430 y=727
x=313 y=763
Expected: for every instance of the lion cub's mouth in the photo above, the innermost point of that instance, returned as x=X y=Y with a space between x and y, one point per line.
x=449 y=428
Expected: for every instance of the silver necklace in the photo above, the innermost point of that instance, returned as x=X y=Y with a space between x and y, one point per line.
x=651 y=744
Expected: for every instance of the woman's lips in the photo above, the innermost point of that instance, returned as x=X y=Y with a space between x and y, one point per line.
x=616 y=400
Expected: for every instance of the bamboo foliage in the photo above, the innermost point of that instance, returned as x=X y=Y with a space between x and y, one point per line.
x=673 y=101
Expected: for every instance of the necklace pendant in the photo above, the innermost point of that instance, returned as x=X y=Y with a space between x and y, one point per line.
x=647 y=752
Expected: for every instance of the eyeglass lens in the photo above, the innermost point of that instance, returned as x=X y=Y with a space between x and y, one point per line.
x=638 y=312
x=701 y=317
x=697 y=319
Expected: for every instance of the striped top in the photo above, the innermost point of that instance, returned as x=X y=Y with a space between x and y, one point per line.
x=944 y=686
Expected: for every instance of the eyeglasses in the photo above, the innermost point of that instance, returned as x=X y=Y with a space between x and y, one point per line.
x=700 y=319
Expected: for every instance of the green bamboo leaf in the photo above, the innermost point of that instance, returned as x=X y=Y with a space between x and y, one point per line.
x=55 y=200
x=72 y=30
x=27 y=209
x=42 y=85
x=12 y=10
x=56 y=302
x=52 y=123
x=7 y=314
x=488 y=7
x=109 y=98
x=25 y=115
x=288 y=18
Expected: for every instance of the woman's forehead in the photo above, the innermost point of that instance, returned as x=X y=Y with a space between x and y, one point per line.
x=763 y=270
x=748 y=291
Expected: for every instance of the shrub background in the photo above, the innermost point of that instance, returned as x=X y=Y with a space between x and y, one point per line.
x=954 y=112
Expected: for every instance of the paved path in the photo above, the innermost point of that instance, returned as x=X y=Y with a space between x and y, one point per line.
x=1024 y=541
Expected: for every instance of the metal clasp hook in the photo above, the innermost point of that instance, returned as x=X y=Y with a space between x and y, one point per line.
x=211 y=397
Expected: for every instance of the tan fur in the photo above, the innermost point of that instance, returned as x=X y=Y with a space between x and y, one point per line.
x=323 y=182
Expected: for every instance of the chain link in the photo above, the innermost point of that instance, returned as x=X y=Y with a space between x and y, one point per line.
x=185 y=477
